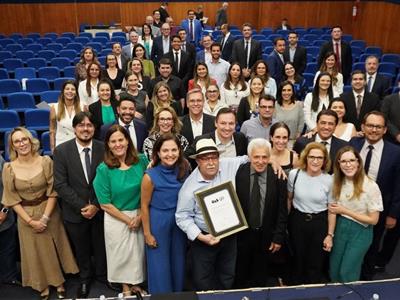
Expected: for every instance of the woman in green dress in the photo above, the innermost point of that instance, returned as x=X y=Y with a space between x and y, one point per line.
x=117 y=186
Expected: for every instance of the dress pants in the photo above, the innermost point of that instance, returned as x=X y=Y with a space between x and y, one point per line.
x=389 y=245
x=8 y=254
x=307 y=233
x=350 y=244
x=166 y=263
x=214 y=266
x=87 y=239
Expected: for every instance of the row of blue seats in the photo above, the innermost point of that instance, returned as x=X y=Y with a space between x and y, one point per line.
x=34 y=85
x=35 y=118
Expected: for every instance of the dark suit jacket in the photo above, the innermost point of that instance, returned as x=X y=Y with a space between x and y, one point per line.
x=95 y=109
x=157 y=50
x=336 y=144
x=299 y=60
x=163 y=14
x=228 y=47
x=140 y=130
x=388 y=178
x=381 y=86
x=191 y=51
x=347 y=59
x=185 y=66
x=275 y=66
x=70 y=182
x=288 y=27
x=275 y=209
x=208 y=126
x=391 y=109
x=239 y=55
x=370 y=102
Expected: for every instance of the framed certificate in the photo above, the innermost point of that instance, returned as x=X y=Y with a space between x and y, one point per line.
x=221 y=209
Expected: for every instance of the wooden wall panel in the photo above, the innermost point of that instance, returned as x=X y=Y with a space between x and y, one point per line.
x=94 y=13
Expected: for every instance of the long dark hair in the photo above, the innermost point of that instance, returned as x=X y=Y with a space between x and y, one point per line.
x=88 y=78
x=279 y=94
x=181 y=164
x=131 y=153
x=315 y=92
x=227 y=83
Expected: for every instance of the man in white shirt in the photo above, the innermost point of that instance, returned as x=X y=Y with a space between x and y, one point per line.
x=376 y=83
x=134 y=38
x=218 y=68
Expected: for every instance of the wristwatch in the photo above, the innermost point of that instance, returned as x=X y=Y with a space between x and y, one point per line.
x=4 y=210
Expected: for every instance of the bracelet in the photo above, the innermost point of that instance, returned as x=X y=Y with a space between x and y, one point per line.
x=45 y=217
x=330 y=234
x=30 y=220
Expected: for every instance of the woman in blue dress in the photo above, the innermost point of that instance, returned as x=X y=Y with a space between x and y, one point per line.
x=165 y=242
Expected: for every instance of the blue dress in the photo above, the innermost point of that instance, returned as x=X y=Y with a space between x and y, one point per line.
x=166 y=263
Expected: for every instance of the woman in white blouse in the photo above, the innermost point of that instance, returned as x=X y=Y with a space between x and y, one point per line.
x=213 y=104
x=317 y=100
x=354 y=211
x=235 y=87
x=329 y=64
x=343 y=130
x=88 y=88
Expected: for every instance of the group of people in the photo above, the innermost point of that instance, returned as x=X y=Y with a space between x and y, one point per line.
x=133 y=143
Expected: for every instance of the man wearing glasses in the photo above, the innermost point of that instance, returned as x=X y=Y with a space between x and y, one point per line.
x=382 y=164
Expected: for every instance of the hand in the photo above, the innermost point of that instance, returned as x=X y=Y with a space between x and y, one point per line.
x=309 y=134
x=138 y=115
x=390 y=222
x=335 y=208
x=360 y=134
x=278 y=170
x=3 y=217
x=208 y=239
x=274 y=247
x=246 y=72
x=38 y=226
x=151 y=241
x=89 y=211
x=328 y=243
x=135 y=223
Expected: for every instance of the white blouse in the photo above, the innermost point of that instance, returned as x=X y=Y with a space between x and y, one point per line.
x=83 y=95
x=233 y=96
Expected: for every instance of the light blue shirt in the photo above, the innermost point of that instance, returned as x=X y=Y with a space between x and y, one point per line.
x=311 y=193
x=253 y=128
x=189 y=217
x=218 y=71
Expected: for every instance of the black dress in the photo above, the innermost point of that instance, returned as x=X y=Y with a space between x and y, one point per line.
x=117 y=81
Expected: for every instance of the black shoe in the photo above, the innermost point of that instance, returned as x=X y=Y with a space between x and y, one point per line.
x=114 y=286
x=379 y=268
x=15 y=282
x=83 y=291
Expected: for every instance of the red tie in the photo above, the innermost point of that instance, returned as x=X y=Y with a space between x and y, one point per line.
x=338 y=56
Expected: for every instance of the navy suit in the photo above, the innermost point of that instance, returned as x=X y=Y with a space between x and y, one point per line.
x=239 y=55
x=208 y=126
x=157 y=51
x=140 y=130
x=226 y=51
x=275 y=66
x=299 y=59
x=388 y=180
x=381 y=85
x=197 y=28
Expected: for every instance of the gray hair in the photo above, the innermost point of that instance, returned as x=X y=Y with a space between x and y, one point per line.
x=258 y=143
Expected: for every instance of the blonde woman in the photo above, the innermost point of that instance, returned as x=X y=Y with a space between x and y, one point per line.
x=248 y=106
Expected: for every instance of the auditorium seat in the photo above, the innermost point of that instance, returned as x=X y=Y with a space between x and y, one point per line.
x=35 y=47
x=24 y=54
x=50 y=96
x=16 y=36
x=51 y=35
x=58 y=82
x=49 y=73
x=25 y=41
x=60 y=62
x=358 y=66
x=63 y=40
x=13 y=47
x=36 y=63
x=68 y=53
x=391 y=57
x=45 y=143
x=44 y=41
x=21 y=101
x=37 y=85
x=33 y=35
x=69 y=71
x=358 y=43
x=57 y=47
x=9 y=119
x=37 y=119
x=25 y=73
x=388 y=67
x=69 y=35
x=12 y=63
x=46 y=54
x=3 y=74
x=373 y=50
x=8 y=86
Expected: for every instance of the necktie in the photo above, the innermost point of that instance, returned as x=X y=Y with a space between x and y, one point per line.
x=223 y=43
x=87 y=162
x=358 y=107
x=191 y=35
x=370 y=84
x=368 y=159
x=338 y=56
x=255 y=205
x=324 y=143
x=177 y=61
x=126 y=126
x=246 y=49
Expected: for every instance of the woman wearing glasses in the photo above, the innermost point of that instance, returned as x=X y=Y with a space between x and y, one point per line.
x=213 y=103
x=355 y=209
x=308 y=193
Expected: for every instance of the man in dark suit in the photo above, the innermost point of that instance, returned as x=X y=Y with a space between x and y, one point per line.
x=192 y=27
x=222 y=15
x=276 y=60
x=226 y=41
x=182 y=66
x=246 y=51
x=376 y=83
x=204 y=55
x=126 y=117
x=263 y=197
x=382 y=166
x=296 y=54
x=342 y=50
x=75 y=164
x=189 y=48
x=134 y=40
x=391 y=110
x=122 y=59
x=163 y=9
x=161 y=44
x=326 y=124
x=196 y=123
x=359 y=101
x=284 y=25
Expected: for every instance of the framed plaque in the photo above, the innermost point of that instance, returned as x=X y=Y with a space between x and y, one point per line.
x=221 y=209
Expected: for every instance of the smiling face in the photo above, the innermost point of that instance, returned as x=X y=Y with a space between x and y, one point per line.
x=126 y=111
x=117 y=49
x=336 y=33
x=315 y=161
x=165 y=70
x=163 y=94
x=136 y=66
x=111 y=61
x=169 y=153
x=21 y=144
x=280 y=139
x=330 y=61
x=118 y=145
x=225 y=125
x=326 y=126
x=261 y=69
x=69 y=92
x=132 y=82
x=207 y=41
x=176 y=43
x=195 y=103
x=84 y=131
x=201 y=71
x=104 y=92
x=133 y=37
x=94 y=71
x=212 y=93
x=88 y=55
x=259 y=159
x=235 y=71
x=165 y=121
x=139 y=52
x=208 y=165
x=338 y=107
x=287 y=93
x=358 y=82
x=349 y=164
x=246 y=31
x=374 y=128
x=324 y=82
x=256 y=86
x=289 y=70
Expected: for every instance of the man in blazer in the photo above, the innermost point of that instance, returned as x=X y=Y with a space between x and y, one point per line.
x=359 y=96
x=326 y=124
x=276 y=60
x=295 y=53
x=254 y=52
x=74 y=171
x=182 y=64
x=344 y=55
x=189 y=48
x=192 y=27
x=226 y=41
x=161 y=44
x=126 y=117
x=196 y=123
x=263 y=197
x=122 y=59
x=384 y=168
x=376 y=83
x=391 y=110
x=204 y=54
x=134 y=40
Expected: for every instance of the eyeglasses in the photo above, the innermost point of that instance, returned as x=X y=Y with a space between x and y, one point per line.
x=212 y=91
x=208 y=158
x=165 y=120
x=348 y=161
x=372 y=126
x=23 y=140
x=266 y=107
x=317 y=158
